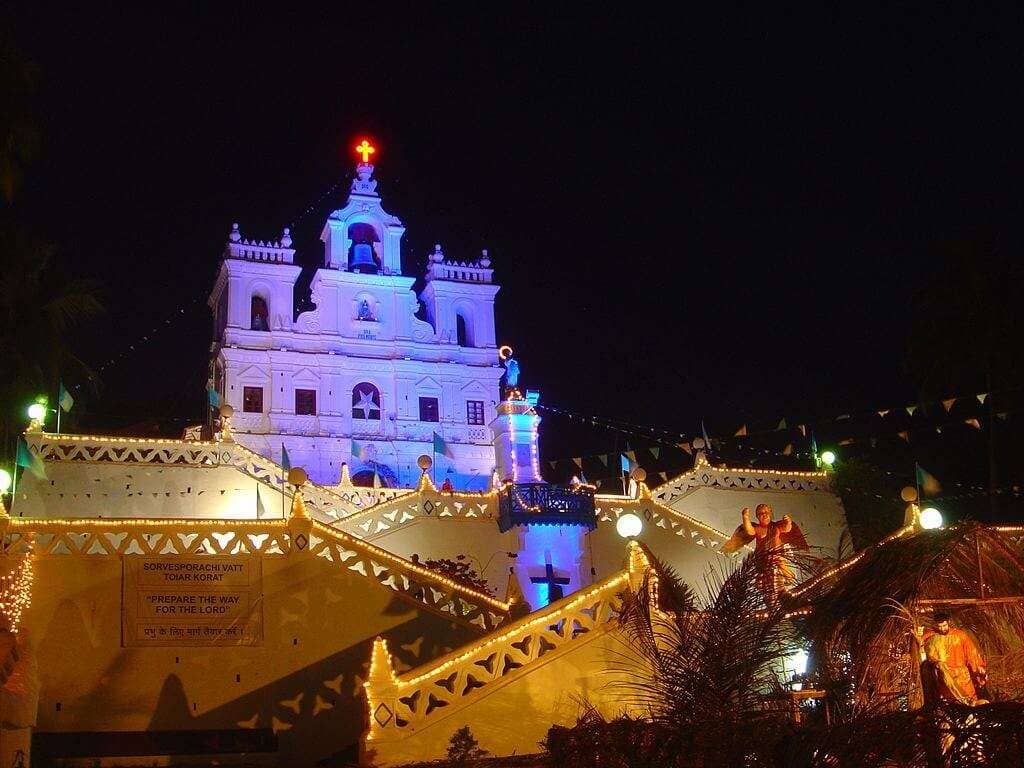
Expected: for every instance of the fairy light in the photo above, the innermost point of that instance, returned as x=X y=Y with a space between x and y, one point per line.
x=16 y=593
x=849 y=562
x=516 y=629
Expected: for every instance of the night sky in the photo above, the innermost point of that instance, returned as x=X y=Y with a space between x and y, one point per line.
x=690 y=218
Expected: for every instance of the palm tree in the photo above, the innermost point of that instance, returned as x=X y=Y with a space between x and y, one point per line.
x=39 y=306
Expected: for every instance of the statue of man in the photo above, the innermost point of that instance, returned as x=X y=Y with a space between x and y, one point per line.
x=769 y=537
x=954 y=668
x=511 y=373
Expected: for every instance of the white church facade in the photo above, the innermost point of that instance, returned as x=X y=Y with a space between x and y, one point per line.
x=361 y=379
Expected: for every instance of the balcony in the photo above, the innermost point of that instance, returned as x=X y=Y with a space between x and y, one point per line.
x=543 y=504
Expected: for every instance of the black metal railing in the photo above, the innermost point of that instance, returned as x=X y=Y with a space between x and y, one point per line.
x=543 y=504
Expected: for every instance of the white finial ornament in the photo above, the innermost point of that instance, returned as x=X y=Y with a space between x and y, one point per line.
x=438 y=254
x=286 y=238
x=235 y=235
x=485 y=260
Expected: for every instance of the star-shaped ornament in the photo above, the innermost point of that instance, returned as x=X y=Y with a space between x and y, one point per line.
x=366 y=403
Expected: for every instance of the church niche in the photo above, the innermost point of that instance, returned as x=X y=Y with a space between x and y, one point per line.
x=259 y=314
x=363 y=256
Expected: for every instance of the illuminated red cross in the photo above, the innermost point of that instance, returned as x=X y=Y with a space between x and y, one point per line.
x=365 y=149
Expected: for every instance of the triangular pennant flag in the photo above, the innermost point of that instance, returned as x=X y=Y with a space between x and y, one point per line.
x=664 y=475
x=286 y=463
x=376 y=479
x=911 y=409
x=631 y=455
x=655 y=451
x=844 y=416
x=948 y=404
x=874 y=441
x=847 y=441
x=884 y=413
x=578 y=461
x=440 y=446
x=782 y=424
x=741 y=432
x=929 y=484
x=213 y=397
x=357 y=450
x=552 y=463
x=64 y=398
x=603 y=458
x=803 y=429
x=686 y=447
x=788 y=450
x=981 y=397
x=1003 y=415
x=33 y=462
x=973 y=423
x=939 y=430
x=904 y=435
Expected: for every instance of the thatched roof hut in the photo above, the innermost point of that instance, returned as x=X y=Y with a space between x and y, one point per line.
x=861 y=612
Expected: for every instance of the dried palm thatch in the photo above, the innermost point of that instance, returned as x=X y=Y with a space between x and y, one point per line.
x=861 y=617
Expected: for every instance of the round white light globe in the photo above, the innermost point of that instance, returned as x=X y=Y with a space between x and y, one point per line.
x=37 y=411
x=629 y=525
x=828 y=458
x=5 y=481
x=931 y=518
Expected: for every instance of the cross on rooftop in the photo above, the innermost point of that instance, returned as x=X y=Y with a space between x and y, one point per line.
x=365 y=149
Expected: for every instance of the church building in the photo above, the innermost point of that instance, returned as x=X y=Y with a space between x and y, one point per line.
x=362 y=559
x=375 y=376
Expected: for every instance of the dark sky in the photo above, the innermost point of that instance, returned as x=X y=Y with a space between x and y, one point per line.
x=718 y=218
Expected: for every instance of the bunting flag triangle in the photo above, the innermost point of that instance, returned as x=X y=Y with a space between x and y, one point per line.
x=741 y=432
x=552 y=463
x=981 y=397
x=847 y=441
x=884 y=413
x=904 y=435
x=973 y=423
x=911 y=409
x=578 y=461
x=655 y=451
x=782 y=424
x=803 y=430
x=874 y=442
x=686 y=447
x=631 y=455
x=929 y=484
x=1003 y=415
x=664 y=476
x=948 y=404
x=603 y=457
x=844 y=416
x=788 y=450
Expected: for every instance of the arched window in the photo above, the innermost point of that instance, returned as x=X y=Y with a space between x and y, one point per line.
x=464 y=329
x=259 y=314
x=366 y=402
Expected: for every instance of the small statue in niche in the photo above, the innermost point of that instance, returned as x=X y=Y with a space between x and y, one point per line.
x=365 y=313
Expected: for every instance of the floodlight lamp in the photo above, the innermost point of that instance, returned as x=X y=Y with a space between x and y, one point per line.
x=931 y=518
x=628 y=526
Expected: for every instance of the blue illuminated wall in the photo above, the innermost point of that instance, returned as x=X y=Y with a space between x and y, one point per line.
x=562 y=546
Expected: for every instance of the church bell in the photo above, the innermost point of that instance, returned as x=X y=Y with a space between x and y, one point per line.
x=362 y=259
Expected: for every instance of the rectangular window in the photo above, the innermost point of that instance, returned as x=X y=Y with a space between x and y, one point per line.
x=252 y=399
x=474 y=411
x=305 y=402
x=428 y=409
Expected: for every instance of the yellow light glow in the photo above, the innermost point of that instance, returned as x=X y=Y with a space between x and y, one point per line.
x=365 y=149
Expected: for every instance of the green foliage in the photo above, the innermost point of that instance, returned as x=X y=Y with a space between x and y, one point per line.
x=463 y=748
x=459 y=570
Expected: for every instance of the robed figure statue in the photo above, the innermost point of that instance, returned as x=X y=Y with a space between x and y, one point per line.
x=771 y=537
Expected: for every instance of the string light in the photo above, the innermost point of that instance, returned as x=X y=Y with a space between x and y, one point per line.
x=16 y=593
